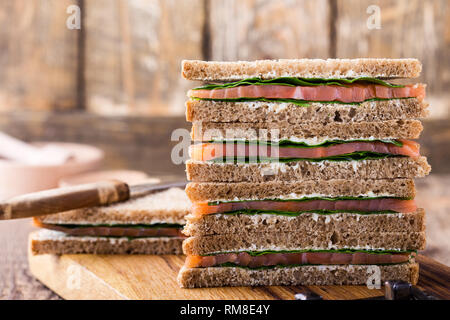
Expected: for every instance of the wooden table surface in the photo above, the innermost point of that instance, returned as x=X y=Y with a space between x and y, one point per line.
x=16 y=282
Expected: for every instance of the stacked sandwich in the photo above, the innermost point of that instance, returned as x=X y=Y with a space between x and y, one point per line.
x=150 y=224
x=302 y=172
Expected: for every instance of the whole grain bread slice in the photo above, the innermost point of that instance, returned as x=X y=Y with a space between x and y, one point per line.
x=214 y=224
x=212 y=191
x=54 y=242
x=258 y=111
x=168 y=206
x=304 y=239
x=300 y=68
x=283 y=130
x=294 y=276
x=404 y=167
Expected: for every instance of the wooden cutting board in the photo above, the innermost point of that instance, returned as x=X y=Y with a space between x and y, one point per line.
x=154 y=277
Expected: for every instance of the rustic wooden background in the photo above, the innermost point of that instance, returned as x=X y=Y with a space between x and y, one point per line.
x=116 y=82
x=125 y=59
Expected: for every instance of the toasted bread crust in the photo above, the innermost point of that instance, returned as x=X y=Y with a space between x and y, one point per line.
x=304 y=275
x=199 y=171
x=211 y=191
x=214 y=224
x=53 y=242
x=398 y=129
x=306 y=239
x=300 y=68
x=169 y=206
x=254 y=111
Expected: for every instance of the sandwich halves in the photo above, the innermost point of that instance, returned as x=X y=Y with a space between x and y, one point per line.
x=301 y=172
x=146 y=225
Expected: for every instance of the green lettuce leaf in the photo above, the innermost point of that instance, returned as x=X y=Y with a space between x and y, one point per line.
x=292 y=82
x=354 y=156
x=232 y=265
x=293 y=144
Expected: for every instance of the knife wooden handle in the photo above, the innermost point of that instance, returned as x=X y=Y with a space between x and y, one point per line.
x=64 y=199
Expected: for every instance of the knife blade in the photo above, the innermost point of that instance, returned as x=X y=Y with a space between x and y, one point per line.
x=76 y=197
x=140 y=190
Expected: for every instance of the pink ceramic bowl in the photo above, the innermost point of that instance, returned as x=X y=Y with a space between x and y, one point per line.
x=18 y=178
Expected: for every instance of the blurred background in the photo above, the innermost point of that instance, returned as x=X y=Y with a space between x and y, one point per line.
x=114 y=83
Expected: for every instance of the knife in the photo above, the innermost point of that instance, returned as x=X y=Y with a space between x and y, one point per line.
x=77 y=197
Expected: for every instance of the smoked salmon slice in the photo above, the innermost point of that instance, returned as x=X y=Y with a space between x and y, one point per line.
x=102 y=231
x=351 y=93
x=244 y=259
x=370 y=205
x=211 y=151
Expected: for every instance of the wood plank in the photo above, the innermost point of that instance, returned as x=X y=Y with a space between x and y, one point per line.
x=409 y=28
x=134 y=51
x=154 y=277
x=434 y=277
x=38 y=57
x=135 y=277
x=248 y=29
x=16 y=280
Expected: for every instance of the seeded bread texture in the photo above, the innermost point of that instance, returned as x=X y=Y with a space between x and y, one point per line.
x=169 y=206
x=214 y=224
x=210 y=191
x=398 y=129
x=405 y=167
x=256 y=111
x=300 y=68
x=54 y=242
x=304 y=239
x=295 y=276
